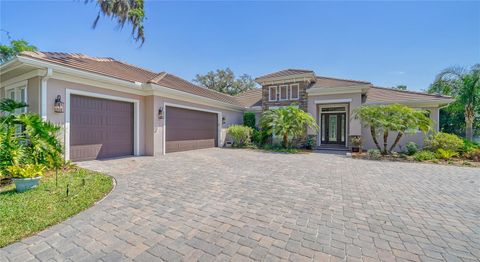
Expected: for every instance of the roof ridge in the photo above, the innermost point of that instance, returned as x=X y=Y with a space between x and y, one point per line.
x=344 y=79
x=209 y=90
x=413 y=92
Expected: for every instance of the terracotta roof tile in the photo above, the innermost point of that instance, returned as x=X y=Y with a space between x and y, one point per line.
x=250 y=98
x=322 y=81
x=177 y=83
x=286 y=72
x=388 y=95
x=100 y=65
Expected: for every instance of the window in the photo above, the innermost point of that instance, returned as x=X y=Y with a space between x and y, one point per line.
x=23 y=98
x=294 y=92
x=272 y=93
x=284 y=92
x=18 y=92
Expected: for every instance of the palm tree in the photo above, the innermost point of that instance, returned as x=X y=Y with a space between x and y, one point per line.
x=124 y=11
x=463 y=84
x=287 y=121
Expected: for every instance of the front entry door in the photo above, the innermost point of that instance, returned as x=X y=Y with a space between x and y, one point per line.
x=333 y=128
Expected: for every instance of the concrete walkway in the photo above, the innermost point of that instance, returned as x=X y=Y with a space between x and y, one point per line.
x=227 y=204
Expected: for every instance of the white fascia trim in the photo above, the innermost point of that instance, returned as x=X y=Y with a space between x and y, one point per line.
x=136 y=117
x=77 y=72
x=219 y=121
x=7 y=64
x=333 y=101
x=164 y=91
x=23 y=77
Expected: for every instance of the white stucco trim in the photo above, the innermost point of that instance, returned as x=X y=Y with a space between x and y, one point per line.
x=333 y=101
x=219 y=121
x=22 y=77
x=136 y=117
x=43 y=93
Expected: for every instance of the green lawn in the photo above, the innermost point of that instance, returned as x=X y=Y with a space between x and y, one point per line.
x=23 y=214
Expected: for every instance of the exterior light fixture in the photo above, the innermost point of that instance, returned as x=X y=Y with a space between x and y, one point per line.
x=58 y=105
x=224 y=120
x=160 y=113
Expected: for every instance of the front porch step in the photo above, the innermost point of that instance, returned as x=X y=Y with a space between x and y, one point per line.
x=332 y=148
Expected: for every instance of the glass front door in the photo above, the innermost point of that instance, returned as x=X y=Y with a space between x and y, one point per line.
x=333 y=128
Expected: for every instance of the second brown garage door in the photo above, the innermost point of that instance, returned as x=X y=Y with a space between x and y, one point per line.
x=100 y=128
x=189 y=129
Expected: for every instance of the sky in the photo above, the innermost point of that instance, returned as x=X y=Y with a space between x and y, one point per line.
x=386 y=43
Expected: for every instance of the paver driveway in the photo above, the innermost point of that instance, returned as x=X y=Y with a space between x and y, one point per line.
x=239 y=205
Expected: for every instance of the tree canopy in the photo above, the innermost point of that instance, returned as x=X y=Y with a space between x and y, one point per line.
x=400 y=87
x=464 y=85
x=224 y=81
x=384 y=119
x=124 y=11
x=9 y=51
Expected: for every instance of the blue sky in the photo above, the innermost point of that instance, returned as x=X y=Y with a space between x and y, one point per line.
x=387 y=43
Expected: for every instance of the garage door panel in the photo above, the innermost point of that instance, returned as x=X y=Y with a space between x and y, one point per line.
x=190 y=129
x=100 y=128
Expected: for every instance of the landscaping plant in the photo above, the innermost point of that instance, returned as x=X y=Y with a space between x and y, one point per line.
x=374 y=154
x=240 y=134
x=444 y=141
x=445 y=153
x=289 y=121
x=386 y=119
x=249 y=120
x=424 y=155
x=411 y=148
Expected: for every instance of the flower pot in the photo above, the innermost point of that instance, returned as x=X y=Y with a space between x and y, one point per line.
x=24 y=184
x=355 y=149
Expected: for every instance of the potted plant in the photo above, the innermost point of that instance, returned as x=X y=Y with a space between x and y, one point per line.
x=26 y=177
x=356 y=143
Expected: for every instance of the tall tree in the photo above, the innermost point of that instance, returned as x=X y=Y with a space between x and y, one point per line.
x=124 y=11
x=8 y=52
x=464 y=85
x=224 y=81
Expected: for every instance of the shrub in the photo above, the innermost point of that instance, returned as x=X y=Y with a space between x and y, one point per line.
x=259 y=137
x=26 y=171
x=240 y=135
x=445 y=154
x=473 y=155
x=374 y=154
x=249 y=119
x=411 y=148
x=424 y=155
x=310 y=142
x=469 y=146
x=444 y=141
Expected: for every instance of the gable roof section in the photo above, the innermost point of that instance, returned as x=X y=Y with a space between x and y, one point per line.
x=285 y=73
x=327 y=82
x=249 y=98
x=382 y=95
x=100 y=65
x=177 y=83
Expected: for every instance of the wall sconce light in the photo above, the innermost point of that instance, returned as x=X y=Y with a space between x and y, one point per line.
x=58 y=105
x=224 y=120
x=160 y=113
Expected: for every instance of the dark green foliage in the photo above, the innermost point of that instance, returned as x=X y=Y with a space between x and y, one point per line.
x=224 y=81
x=310 y=142
x=249 y=119
x=8 y=52
x=260 y=137
x=411 y=148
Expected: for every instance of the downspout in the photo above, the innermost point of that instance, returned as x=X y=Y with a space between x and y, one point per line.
x=43 y=90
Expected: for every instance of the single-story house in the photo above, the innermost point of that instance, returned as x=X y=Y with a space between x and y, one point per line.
x=108 y=108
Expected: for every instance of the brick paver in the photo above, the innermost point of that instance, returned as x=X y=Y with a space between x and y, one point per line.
x=239 y=205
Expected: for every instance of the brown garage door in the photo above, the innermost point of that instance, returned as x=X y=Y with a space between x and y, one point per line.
x=100 y=128
x=189 y=129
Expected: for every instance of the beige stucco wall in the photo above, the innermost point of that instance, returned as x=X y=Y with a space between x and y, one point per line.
x=417 y=137
x=354 y=125
x=231 y=118
x=59 y=87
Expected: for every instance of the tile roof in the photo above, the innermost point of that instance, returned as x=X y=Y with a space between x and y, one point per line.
x=177 y=83
x=100 y=65
x=286 y=72
x=322 y=81
x=388 y=95
x=249 y=98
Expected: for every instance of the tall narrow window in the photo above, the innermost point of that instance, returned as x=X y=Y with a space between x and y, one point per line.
x=284 y=92
x=294 y=92
x=23 y=98
x=272 y=93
